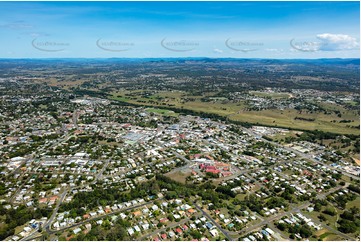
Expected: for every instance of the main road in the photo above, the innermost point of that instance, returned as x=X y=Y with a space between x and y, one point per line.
x=48 y=223
x=52 y=217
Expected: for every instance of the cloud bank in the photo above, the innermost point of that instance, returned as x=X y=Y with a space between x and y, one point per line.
x=336 y=42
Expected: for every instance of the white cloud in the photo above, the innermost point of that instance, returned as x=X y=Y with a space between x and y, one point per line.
x=16 y=25
x=217 y=51
x=336 y=42
x=36 y=34
x=274 y=50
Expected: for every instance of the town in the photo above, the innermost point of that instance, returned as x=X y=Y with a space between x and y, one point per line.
x=180 y=120
x=82 y=167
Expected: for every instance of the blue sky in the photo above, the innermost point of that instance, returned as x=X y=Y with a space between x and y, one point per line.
x=179 y=29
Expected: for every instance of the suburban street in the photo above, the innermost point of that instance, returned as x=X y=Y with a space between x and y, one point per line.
x=214 y=222
x=303 y=155
x=297 y=208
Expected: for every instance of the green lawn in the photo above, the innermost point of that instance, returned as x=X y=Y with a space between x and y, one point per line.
x=164 y=112
x=354 y=203
x=329 y=236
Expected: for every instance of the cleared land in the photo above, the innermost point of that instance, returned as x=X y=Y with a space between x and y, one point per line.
x=272 y=95
x=178 y=176
x=163 y=112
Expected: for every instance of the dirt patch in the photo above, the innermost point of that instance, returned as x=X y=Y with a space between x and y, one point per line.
x=178 y=176
x=357 y=161
x=321 y=232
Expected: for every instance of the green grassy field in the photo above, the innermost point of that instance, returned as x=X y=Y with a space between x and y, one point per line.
x=163 y=112
x=354 y=203
x=326 y=235
x=271 y=95
x=286 y=118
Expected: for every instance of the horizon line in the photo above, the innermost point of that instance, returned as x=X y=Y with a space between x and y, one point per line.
x=202 y=57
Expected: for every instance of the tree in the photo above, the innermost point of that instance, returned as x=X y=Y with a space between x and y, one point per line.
x=354 y=188
x=347 y=215
x=282 y=226
x=318 y=207
x=305 y=231
x=347 y=226
x=329 y=211
x=322 y=217
x=195 y=234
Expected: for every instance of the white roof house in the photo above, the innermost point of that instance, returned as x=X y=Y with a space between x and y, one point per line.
x=77 y=230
